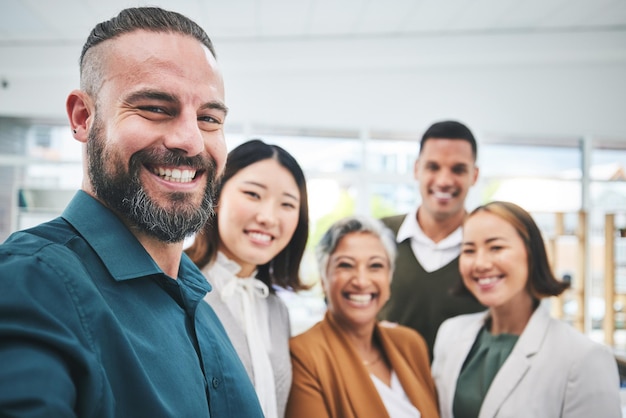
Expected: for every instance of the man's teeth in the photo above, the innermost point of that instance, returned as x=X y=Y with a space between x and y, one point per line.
x=360 y=298
x=442 y=195
x=175 y=175
x=257 y=236
x=484 y=281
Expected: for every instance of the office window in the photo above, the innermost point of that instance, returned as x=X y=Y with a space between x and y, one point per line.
x=538 y=178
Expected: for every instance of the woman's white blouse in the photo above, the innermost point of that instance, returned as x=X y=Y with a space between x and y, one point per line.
x=394 y=397
x=245 y=298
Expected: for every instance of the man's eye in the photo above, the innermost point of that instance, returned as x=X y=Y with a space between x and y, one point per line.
x=209 y=119
x=153 y=109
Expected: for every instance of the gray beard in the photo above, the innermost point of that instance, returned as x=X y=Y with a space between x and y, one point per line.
x=123 y=192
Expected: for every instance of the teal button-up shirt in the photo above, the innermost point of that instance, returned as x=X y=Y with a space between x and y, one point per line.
x=90 y=326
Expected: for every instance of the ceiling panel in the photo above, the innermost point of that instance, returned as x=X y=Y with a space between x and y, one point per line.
x=385 y=17
x=62 y=21
x=230 y=19
x=334 y=18
x=286 y=18
x=524 y=15
x=436 y=17
x=583 y=13
x=17 y=21
x=610 y=13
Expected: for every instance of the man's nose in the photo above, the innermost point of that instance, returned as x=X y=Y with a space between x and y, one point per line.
x=186 y=135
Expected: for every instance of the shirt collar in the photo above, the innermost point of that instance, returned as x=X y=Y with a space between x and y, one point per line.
x=224 y=273
x=191 y=274
x=410 y=229
x=120 y=251
x=122 y=254
x=192 y=281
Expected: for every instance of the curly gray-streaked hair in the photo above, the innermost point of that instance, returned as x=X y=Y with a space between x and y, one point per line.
x=351 y=224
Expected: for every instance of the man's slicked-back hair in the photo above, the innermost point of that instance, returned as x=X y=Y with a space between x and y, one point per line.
x=152 y=19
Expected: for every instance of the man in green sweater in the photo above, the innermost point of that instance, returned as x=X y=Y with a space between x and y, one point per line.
x=429 y=238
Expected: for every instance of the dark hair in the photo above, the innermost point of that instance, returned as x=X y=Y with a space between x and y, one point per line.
x=282 y=270
x=129 y=20
x=541 y=281
x=450 y=129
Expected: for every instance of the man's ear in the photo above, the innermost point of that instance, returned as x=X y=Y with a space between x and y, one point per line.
x=416 y=169
x=79 y=110
x=475 y=175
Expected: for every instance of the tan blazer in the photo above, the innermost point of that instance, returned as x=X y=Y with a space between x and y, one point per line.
x=329 y=379
x=553 y=371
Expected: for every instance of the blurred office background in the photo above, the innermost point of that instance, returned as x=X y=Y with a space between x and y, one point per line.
x=348 y=87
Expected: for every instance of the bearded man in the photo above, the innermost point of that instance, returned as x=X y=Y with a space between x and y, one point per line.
x=101 y=314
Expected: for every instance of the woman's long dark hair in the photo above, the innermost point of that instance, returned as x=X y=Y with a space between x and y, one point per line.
x=284 y=269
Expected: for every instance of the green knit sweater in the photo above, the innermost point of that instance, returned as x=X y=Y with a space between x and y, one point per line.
x=422 y=300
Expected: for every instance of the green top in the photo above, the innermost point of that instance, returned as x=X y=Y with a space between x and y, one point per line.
x=481 y=365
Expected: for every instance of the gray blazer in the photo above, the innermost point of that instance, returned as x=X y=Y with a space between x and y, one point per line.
x=280 y=331
x=553 y=371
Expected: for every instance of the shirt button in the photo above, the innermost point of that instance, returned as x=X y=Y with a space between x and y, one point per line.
x=215 y=382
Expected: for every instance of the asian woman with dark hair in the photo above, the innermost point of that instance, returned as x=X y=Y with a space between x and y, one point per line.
x=255 y=242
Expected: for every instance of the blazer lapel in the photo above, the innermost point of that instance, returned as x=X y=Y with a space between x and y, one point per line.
x=361 y=392
x=406 y=375
x=517 y=364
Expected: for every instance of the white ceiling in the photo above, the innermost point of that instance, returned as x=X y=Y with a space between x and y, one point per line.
x=509 y=67
x=69 y=21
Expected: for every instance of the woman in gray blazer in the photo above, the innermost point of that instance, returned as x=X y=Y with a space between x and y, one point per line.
x=514 y=360
x=255 y=242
